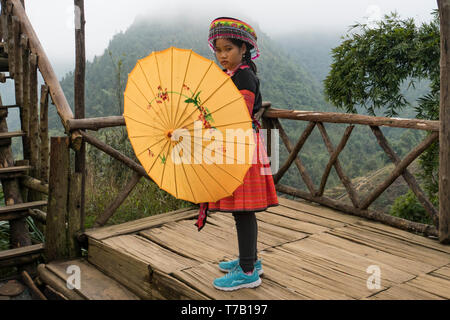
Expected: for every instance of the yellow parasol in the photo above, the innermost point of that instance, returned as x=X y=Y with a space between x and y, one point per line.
x=189 y=125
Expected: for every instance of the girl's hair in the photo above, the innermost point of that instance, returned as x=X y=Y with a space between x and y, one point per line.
x=247 y=56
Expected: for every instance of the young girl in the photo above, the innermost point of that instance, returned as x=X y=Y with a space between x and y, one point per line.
x=234 y=44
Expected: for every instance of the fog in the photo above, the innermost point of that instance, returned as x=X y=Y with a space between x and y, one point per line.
x=53 y=19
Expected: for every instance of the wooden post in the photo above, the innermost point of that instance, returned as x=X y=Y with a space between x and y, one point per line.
x=79 y=88
x=43 y=135
x=73 y=215
x=34 y=118
x=55 y=232
x=444 y=117
x=25 y=108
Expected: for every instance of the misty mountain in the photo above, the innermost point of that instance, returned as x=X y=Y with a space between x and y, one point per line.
x=283 y=81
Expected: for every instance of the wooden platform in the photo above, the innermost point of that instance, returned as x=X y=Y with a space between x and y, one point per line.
x=308 y=252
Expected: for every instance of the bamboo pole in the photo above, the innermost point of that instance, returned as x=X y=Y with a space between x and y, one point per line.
x=444 y=116
x=335 y=117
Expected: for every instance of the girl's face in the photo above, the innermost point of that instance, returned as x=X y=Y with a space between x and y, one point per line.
x=228 y=54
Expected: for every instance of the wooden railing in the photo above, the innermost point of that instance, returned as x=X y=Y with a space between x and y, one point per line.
x=270 y=120
x=359 y=206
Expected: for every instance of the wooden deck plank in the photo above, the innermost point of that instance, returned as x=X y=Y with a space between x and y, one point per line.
x=431 y=284
x=318 y=210
x=202 y=276
x=94 y=285
x=403 y=291
x=155 y=256
x=443 y=272
x=129 y=271
x=311 y=219
x=351 y=259
x=300 y=275
x=135 y=274
x=308 y=252
x=395 y=246
x=196 y=249
x=290 y=223
x=266 y=226
x=402 y=234
x=387 y=261
x=140 y=224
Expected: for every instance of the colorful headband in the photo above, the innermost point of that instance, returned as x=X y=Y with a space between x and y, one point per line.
x=225 y=27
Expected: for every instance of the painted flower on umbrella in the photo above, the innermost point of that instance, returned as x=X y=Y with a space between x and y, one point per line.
x=164 y=95
x=205 y=114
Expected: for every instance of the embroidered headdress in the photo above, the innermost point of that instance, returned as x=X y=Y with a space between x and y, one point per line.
x=225 y=27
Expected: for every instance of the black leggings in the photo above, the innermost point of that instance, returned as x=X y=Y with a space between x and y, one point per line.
x=247 y=233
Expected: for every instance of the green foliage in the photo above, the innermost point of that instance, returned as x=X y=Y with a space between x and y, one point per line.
x=408 y=207
x=369 y=67
x=368 y=70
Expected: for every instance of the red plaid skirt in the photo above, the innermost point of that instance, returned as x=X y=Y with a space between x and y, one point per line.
x=257 y=193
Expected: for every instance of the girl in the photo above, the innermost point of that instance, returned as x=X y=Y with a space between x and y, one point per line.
x=234 y=44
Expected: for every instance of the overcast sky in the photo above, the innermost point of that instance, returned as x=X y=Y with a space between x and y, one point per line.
x=53 y=19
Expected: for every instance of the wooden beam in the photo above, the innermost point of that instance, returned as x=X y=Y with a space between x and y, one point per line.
x=29 y=282
x=335 y=117
x=409 y=178
x=344 y=179
x=444 y=117
x=301 y=168
x=115 y=154
x=35 y=184
x=333 y=159
x=398 y=170
x=294 y=152
x=120 y=198
x=393 y=221
x=96 y=123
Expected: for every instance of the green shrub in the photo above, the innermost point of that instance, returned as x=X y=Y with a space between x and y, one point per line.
x=408 y=207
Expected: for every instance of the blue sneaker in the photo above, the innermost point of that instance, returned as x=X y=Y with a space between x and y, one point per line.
x=227 y=266
x=237 y=279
